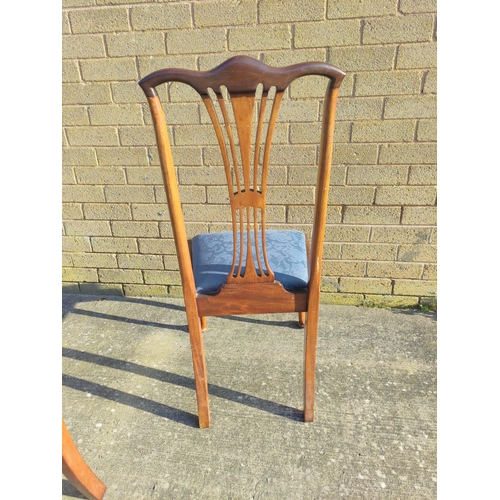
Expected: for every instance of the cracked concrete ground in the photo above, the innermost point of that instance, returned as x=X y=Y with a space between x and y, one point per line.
x=129 y=403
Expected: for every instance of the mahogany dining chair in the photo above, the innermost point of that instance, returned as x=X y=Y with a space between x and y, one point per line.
x=251 y=269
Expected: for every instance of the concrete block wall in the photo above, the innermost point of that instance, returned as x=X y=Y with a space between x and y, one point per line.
x=381 y=234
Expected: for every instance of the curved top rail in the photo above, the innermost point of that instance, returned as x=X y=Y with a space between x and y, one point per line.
x=240 y=74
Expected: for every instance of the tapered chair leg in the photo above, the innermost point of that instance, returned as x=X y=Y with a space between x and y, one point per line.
x=200 y=370
x=76 y=470
x=203 y=321
x=302 y=319
x=311 y=337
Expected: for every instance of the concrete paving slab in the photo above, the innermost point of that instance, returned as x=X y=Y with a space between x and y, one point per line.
x=129 y=403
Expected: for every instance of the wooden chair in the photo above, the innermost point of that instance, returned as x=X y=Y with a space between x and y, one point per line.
x=250 y=270
x=76 y=470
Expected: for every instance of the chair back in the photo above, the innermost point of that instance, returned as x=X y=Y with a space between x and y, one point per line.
x=243 y=97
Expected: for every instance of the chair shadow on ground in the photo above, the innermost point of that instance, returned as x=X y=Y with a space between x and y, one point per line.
x=70 y=491
x=70 y=306
x=70 y=301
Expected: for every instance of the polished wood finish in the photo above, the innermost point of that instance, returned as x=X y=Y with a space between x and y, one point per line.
x=203 y=321
x=233 y=93
x=252 y=298
x=184 y=259
x=240 y=75
x=248 y=197
x=302 y=319
x=76 y=470
x=317 y=241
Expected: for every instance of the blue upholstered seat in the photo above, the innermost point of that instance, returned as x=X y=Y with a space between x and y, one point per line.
x=213 y=256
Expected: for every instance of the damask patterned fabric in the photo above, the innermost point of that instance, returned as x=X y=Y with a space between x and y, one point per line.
x=213 y=256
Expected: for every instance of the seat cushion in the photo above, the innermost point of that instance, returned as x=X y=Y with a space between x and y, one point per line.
x=213 y=256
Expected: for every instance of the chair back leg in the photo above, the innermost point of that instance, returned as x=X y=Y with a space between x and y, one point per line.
x=203 y=321
x=302 y=319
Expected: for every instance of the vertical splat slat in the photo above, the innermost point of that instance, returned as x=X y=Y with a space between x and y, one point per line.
x=220 y=138
x=225 y=158
x=265 y=165
x=240 y=264
x=249 y=264
x=256 y=239
x=232 y=145
x=269 y=138
x=243 y=106
x=258 y=140
x=257 y=146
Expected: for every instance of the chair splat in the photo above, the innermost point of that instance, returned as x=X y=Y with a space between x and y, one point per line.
x=240 y=132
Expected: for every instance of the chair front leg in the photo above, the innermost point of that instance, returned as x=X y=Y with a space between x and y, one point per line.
x=200 y=369
x=311 y=337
